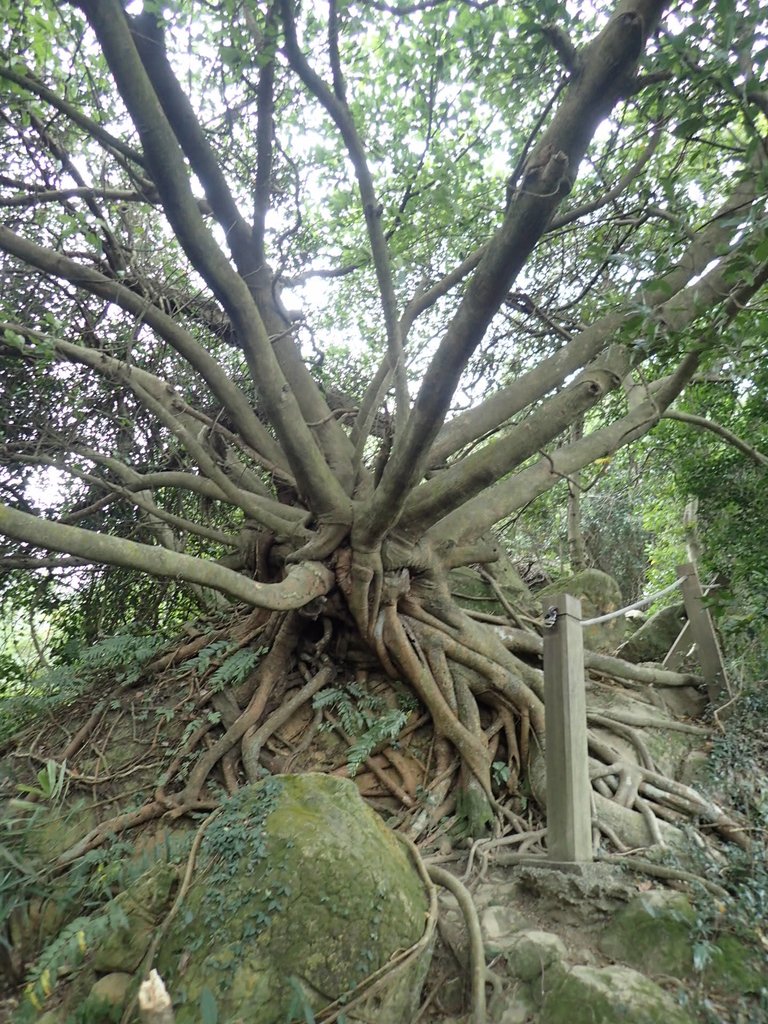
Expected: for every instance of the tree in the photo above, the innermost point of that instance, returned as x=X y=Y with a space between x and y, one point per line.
x=525 y=220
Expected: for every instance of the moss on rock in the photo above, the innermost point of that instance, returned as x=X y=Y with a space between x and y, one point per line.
x=657 y=934
x=599 y=594
x=301 y=894
x=610 y=995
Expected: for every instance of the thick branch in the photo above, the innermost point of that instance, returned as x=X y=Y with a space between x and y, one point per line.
x=56 y=195
x=230 y=396
x=166 y=165
x=303 y=583
x=336 y=106
x=709 y=242
x=448 y=489
x=159 y=520
x=161 y=399
x=548 y=176
x=493 y=504
x=465 y=478
x=245 y=244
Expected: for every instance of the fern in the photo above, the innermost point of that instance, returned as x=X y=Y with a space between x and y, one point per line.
x=124 y=653
x=68 y=948
x=385 y=728
x=124 y=656
x=365 y=717
x=356 y=707
x=202 y=660
x=235 y=669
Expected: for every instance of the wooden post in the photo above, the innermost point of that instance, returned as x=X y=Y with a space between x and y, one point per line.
x=703 y=635
x=569 y=805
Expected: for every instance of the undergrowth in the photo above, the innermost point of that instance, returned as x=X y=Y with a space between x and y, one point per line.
x=123 y=657
x=365 y=717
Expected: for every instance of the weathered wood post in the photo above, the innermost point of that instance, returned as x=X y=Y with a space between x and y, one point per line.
x=569 y=806
x=703 y=635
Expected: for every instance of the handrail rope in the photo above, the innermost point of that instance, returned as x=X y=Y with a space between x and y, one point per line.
x=643 y=603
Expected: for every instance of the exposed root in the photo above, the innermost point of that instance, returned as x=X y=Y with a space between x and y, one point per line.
x=476 y=950
x=484 y=847
x=649 y=867
x=384 y=778
x=483 y=704
x=253 y=743
x=102 y=832
x=470 y=743
x=273 y=665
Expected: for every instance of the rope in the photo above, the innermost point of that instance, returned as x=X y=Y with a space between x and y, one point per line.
x=631 y=607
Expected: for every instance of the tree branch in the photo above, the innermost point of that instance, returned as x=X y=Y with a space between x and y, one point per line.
x=93 y=128
x=608 y=197
x=246 y=244
x=461 y=481
x=479 y=514
x=337 y=108
x=55 y=195
x=134 y=497
x=166 y=165
x=717 y=428
x=303 y=583
x=560 y=42
x=549 y=175
x=161 y=399
x=709 y=242
x=482 y=512
x=230 y=396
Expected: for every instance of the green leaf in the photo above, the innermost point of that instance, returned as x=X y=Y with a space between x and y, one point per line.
x=209 y=1010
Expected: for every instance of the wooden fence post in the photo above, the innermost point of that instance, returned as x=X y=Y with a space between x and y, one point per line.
x=569 y=805
x=703 y=635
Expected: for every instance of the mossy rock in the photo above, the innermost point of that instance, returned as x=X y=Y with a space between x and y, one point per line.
x=657 y=934
x=301 y=893
x=608 y=995
x=599 y=594
x=653 y=934
x=652 y=641
x=530 y=953
x=472 y=592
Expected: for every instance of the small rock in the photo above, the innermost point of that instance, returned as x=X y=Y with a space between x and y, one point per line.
x=530 y=953
x=517 y=1008
x=610 y=995
x=499 y=925
x=112 y=988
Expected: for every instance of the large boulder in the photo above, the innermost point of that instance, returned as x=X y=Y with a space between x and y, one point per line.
x=301 y=893
x=599 y=594
x=652 y=641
